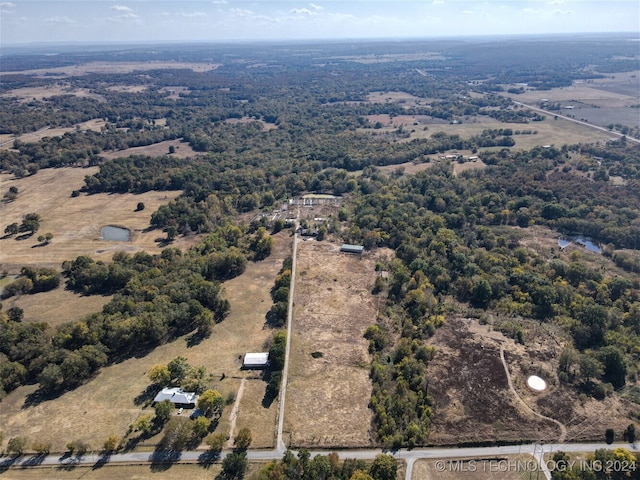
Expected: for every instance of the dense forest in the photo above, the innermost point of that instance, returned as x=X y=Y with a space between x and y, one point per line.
x=457 y=238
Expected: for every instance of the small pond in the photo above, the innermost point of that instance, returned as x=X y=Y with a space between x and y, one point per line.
x=115 y=234
x=585 y=242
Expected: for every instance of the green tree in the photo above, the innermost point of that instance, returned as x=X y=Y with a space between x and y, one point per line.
x=384 y=467
x=614 y=366
x=41 y=448
x=143 y=424
x=360 y=475
x=201 y=427
x=177 y=433
x=211 y=403
x=179 y=369
x=216 y=441
x=234 y=465
x=17 y=445
x=111 y=443
x=139 y=207
x=164 y=410
x=609 y=436
x=160 y=375
x=243 y=439
x=631 y=433
x=31 y=223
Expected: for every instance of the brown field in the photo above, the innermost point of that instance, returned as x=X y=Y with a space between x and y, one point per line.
x=57 y=306
x=396 y=97
x=183 y=150
x=128 y=88
x=105 y=405
x=28 y=94
x=503 y=467
x=265 y=125
x=391 y=57
x=116 y=67
x=327 y=401
x=408 y=168
x=74 y=222
x=6 y=141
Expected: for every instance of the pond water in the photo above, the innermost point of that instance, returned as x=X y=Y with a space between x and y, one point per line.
x=585 y=242
x=115 y=234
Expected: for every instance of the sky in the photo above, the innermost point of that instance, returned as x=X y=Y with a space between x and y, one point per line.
x=99 y=21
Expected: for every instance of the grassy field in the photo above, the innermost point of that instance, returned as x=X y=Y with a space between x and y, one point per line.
x=182 y=150
x=6 y=140
x=106 y=406
x=74 y=222
x=328 y=396
x=116 y=67
x=56 y=306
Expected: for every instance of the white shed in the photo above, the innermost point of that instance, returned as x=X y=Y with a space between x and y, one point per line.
x=255 y=360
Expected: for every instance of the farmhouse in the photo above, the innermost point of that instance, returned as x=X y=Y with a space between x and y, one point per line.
x=176 y=396
x=346 y=248
x=256 y=360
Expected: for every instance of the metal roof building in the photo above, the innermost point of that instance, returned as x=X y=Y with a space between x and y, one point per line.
x=346 y=248
x=255 y=360
x=177 y=396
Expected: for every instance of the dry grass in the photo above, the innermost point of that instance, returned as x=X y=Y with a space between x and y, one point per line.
x=327 y=401
x=265 y=125
x=27 y=94
x=252 y=413
x=178 y=471
x=6 y=141
x=74 y=222
x=57 y=306
x=116 y=67
x=408 y=168
x=128 y=88
x=182 y=150
x=504 y=467
x=583 y=93
x=105 y=405
x=472 y=165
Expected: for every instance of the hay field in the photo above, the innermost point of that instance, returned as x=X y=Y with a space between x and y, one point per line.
x=27 y=94
x=74 y=222
x=328 y=397
x=105 y=405
x=182 y=150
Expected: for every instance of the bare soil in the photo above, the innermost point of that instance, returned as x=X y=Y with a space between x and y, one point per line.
x=328 y=396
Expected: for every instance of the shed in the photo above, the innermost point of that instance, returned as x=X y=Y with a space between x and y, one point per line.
x=255 y=360
x=176 y=396
x=346 y=248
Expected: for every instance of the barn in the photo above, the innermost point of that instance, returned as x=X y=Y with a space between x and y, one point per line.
x=255 y=361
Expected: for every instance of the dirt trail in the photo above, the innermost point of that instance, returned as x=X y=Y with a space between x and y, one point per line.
x=563 y=429
x=234 y=413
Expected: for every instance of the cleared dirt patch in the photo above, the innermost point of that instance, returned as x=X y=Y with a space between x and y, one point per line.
x=106 y=406
x=471 y=395
x=328 y=396
x=182 y=150
x=74 y=222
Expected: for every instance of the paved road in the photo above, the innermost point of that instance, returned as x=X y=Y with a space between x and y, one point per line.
x=564 y=117
x=410 y=456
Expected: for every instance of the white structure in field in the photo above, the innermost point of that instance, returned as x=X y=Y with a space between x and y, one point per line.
x=255 y=360
x=536 y=384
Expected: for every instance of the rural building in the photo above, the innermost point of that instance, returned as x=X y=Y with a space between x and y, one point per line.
x=176 y=396
x=255 y=360
x=346 y=248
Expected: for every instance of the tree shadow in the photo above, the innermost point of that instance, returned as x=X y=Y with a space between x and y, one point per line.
x=36 y=398
x=208 y=458
x=24 y=236
x=146 y=396
x=163 y=460
x=102 y=461
x=195 y=339
x=8 y=463
x=33 y=461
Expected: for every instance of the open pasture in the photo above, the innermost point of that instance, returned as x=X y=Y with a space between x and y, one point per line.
x=40 y=93
x=107 y=402
x=74 y=222
x=328 y=392
x=6 y=141
x=182 y=150
x=116 y=67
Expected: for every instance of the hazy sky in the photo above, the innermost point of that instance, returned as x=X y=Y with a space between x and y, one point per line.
x=25 y=21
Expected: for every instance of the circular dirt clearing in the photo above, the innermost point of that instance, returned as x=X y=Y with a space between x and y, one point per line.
x=536 y=384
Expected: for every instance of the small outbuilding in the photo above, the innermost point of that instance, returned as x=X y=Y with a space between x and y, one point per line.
x=357 y=249
x=255 y=360
x=176 y=396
